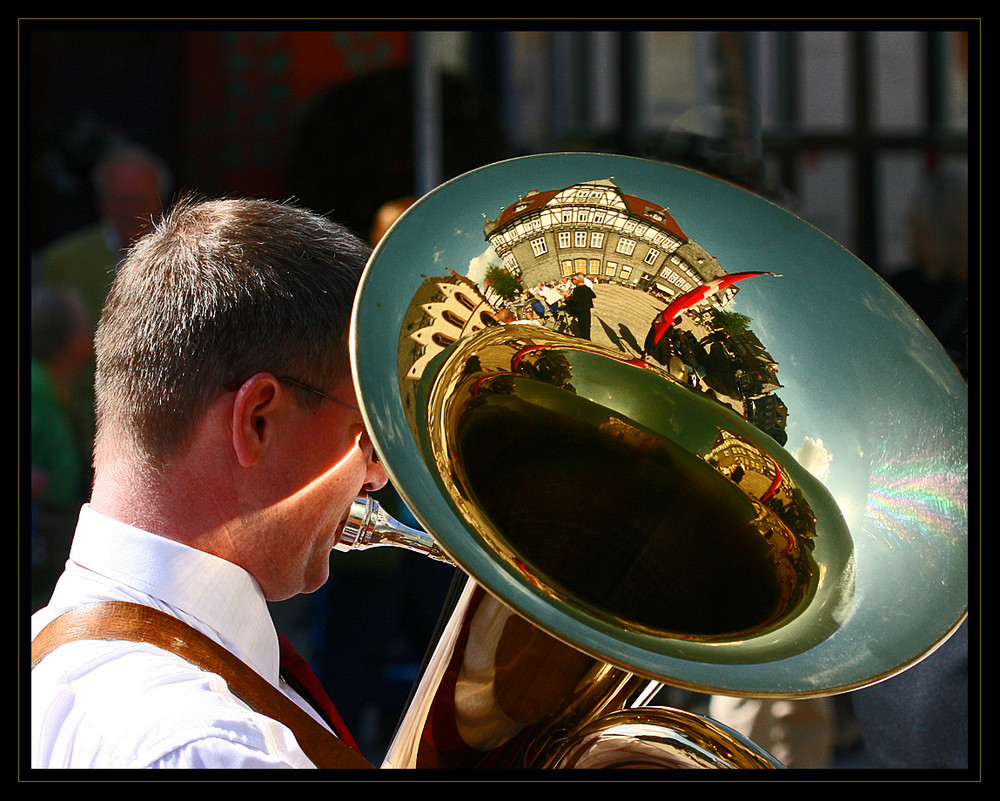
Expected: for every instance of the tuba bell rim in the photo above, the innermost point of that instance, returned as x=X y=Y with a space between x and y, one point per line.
x=829 y=669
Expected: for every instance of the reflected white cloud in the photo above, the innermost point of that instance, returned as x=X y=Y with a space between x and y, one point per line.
x=814 y=457
x=479 y=264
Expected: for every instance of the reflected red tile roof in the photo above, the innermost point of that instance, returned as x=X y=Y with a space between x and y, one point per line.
x=638 y=207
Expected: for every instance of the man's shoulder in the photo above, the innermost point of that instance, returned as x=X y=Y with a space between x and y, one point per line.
x=135 y=705
x=110 y=680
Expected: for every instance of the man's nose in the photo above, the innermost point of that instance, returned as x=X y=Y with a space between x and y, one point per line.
x=376 y=477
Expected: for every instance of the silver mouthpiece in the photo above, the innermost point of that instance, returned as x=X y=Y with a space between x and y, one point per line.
x=369 y=526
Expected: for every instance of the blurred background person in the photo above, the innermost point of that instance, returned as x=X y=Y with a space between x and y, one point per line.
x=798 y=733
x=130 y=187
x=920 y=718
x=61 y=348
x=386 y=215
x=936 y=283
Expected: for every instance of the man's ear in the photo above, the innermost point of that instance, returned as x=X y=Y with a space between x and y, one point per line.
x=255 y=409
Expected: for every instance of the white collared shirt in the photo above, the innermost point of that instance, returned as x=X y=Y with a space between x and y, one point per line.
x=130 y=705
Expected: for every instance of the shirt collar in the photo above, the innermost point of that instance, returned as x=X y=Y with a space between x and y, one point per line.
x=219 y=594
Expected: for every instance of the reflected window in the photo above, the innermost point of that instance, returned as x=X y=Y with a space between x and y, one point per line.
x=625 y=246
x=677 y=280
x=652 y=256
x=564 y=241
x=465 y=300
x=597 y=239
x=538 y=246
x=580 y=239
x=452 y=319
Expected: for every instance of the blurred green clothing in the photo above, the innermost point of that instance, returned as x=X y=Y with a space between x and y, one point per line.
x=85 y=261
x=54 y=449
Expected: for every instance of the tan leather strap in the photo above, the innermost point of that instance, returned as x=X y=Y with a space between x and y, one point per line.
x=118 y=620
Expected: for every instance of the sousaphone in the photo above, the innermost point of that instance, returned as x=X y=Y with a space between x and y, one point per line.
x=749 y=480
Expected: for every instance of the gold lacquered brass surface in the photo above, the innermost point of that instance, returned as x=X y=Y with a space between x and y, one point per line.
x=701 y=546
x=501 y=693
x=658 y=738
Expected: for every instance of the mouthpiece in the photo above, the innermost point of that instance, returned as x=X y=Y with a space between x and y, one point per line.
x=369 y=526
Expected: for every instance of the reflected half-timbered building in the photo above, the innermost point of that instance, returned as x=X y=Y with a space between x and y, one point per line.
x=596 y=229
